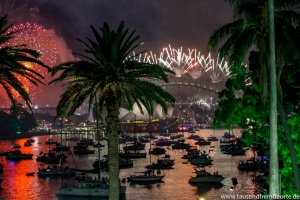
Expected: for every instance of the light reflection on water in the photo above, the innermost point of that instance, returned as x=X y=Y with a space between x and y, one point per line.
x=16 y=185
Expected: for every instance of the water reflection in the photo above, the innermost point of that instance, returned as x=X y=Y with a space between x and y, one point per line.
x=16 y=185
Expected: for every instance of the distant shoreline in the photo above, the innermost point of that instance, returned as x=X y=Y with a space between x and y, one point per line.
x=24 y=135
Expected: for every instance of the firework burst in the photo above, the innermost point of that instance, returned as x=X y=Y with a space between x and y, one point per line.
x=36 y=37
x=191 y=61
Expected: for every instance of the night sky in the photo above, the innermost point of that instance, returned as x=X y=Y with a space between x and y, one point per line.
x=186 y=23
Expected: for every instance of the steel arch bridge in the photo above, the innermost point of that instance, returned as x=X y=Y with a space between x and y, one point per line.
x=191 y=92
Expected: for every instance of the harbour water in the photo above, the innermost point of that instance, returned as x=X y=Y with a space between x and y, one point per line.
x=16 y=185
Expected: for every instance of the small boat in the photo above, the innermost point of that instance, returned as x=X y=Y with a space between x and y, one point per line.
x=30 y=174
x=193 y=137
x=19 y=156
x=163 y=142
x=124 y=163
x=84 y=151
x=201 y=161
x=27 y=144
x=146 y=177
x=134 y=147
x=73 y=139
x=98 y=144
x=202 y=141
x=30 y=140
x=88 y=188
x=181 y=145
x=86 y=141
x=248 y=165
x=56 y=171
x=60 y=147
x=5 y=153
x=16 y=146
x=212 y=138
x=205 y=177
x=51 y=158
x=192 y=131
x=50 y=142
x=157 y=151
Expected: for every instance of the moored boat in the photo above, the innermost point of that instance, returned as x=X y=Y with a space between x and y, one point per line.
x=56 y=171
x=148 y=176
x=206 y=177
x=19 y=156
x=88 y=188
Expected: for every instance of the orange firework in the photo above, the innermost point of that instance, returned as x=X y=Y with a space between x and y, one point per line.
x=35 y=37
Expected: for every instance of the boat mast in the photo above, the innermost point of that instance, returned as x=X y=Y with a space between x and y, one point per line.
x=98 y=137
x=150 y=134
x=61 y=130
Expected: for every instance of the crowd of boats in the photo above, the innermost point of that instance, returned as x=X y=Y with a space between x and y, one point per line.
x=134 y=148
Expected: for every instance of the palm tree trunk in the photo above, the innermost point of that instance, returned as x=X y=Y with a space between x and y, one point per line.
x=274 y=169
x=113 y=124
x=290 y=146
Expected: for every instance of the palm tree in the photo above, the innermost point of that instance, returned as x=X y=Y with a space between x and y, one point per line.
x=251 y=30
x=110 y=75
x=12 y=65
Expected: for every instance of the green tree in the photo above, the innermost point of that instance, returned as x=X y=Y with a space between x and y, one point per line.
x=110 y=75
x=12 y=60
x=251 y=30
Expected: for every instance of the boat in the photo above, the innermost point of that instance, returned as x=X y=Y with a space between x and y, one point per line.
x=61 y=147
x=157 y=151
x=134 y=147
x=86 y=141
x=19 y=156
x=30 y=174
x=192 y=131
x=50 y=141
x=27 y=144
x=98 y=144
x=191 y=154
x=147 y=176
x=163 y=142
x=51 y=158
x=202 y=141
x=30 y=140
x=201 y=161
x=84 y=151
x=181 y=145
x=5 y=153
x=73 y=139
x=16 y=146
x=248 y=165
x=162 y=163
x=88 y=188
x=212 y=138
x=124 y=163
x=56 y=171
x=206 y=177
x=193 y=137
x=132 y=155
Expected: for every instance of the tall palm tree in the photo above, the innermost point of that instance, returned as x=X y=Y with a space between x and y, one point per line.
x=251 y=30
x=12 y=59
x=110 y=75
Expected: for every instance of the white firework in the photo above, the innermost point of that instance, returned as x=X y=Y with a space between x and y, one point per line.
x=191 y=61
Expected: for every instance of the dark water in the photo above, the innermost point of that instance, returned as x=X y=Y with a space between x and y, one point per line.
x=16 y=185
